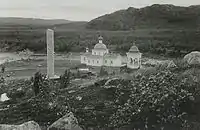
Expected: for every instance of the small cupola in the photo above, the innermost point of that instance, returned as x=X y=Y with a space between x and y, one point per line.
x=134 y=49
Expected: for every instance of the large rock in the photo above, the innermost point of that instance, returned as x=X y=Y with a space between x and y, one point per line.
x=4 y=97
x=193 y=58
x=31 y=125
x=67 y=122
x=167 y=64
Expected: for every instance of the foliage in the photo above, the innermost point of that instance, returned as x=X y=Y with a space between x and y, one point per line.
x=38 y=83
x=160 y=42
x=103 y=71
x=65 y=79
x=155 y=100
x=159 y=98
x=45 y=107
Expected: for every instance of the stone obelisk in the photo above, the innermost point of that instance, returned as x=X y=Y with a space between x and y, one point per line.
x=50 y=53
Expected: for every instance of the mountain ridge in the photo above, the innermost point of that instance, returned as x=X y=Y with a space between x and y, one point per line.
x=31 y=21
x=154 y=16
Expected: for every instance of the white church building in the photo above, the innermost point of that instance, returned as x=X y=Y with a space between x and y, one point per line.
x=100 y=56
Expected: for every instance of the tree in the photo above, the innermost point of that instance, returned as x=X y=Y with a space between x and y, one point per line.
x=103 y=72
x=65 y=79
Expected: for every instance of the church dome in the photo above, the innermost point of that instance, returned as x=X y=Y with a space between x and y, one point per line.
x=100 y=46
x=134 y=49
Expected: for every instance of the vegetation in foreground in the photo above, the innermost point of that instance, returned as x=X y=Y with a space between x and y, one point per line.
x=166 y=98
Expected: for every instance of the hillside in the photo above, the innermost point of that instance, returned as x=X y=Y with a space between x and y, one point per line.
x=155 y=16
x=80 y=25
x=30 y=21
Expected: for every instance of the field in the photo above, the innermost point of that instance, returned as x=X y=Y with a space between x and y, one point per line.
x=27 y=68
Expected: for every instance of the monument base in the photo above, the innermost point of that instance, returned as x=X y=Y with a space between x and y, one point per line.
x=55 y=77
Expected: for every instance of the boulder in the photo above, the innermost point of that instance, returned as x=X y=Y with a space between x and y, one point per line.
x=4 y=97
x=31 y=125
x=171 y=64
x=167 y=64
x=67 y=122
x=193 y=58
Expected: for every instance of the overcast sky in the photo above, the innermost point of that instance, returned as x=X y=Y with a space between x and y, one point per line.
x=77 y=10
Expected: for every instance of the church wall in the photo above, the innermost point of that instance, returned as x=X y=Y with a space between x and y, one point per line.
x=114 y=62
x=83 y=59
x=134 y=60
x=95 y=62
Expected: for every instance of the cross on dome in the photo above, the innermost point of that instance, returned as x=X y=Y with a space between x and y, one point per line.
x=100 y=37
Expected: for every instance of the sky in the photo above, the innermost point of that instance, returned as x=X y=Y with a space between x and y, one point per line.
x=76 y=10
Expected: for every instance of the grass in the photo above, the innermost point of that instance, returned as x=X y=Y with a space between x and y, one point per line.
x=27 y=68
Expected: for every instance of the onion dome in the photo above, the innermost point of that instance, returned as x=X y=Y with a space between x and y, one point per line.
x=134 y=49
x=100 y=45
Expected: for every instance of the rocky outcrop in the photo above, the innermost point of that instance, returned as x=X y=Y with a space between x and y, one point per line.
x=193 y=58
x=31 y=125
x=67 y=122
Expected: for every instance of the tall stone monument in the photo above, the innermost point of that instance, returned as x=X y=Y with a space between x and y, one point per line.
x=50 y=53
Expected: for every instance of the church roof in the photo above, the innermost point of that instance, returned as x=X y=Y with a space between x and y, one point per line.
x=86 y=54
x=95 y=56
x=113 y=56
x=134 y=49
x=100 y=45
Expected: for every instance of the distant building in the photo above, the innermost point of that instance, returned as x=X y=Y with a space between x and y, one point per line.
x=100 y=56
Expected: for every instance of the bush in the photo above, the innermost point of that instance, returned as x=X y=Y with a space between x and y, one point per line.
x=65 y=79
x=155 y=100
x=103 y=71
x=38 y=82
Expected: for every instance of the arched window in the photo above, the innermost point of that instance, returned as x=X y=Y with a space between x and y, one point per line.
x=84 y=58
x=97 y=62
x=135 y=61
x=131 y=60
x=105 y=61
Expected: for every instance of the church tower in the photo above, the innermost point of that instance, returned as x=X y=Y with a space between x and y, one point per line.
x=134 y=57
x=100 y=48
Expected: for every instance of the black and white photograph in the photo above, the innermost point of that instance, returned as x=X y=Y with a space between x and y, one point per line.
x=99 y=64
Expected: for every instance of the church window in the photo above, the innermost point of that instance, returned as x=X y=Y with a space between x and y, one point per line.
x=136 y=61
x=131 y=60
x=97 y=62
x=111 y=62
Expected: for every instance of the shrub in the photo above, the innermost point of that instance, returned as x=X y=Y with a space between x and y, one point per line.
x=103 y=71
x=65 y=79
x=155 y=100
x=38 y=81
